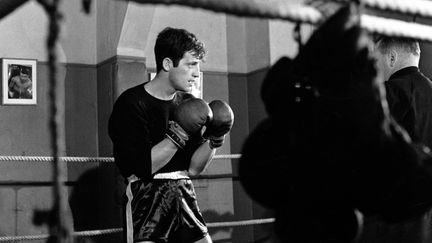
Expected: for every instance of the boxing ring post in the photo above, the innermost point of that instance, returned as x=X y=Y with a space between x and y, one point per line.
x=58 y=219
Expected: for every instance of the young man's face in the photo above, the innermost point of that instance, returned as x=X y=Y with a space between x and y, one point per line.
x=24 y=75
x=184 y=76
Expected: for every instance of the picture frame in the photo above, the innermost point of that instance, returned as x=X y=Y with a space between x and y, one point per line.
x=197 y=90
x=19 y=81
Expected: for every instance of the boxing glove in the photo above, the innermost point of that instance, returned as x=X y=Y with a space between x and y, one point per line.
x=221 y=124
x=188 y=118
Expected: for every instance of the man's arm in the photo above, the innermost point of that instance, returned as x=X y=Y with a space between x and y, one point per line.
x=201 y=159
x=188 y=118
x=162 y=153
x=12 y=83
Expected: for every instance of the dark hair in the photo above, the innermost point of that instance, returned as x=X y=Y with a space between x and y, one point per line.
x=407 y=44
x=25 y=70
x=174 y=43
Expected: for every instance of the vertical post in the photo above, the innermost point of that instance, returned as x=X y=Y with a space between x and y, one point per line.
x=59 y=221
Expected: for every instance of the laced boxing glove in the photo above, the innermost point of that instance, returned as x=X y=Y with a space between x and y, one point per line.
x=220 y=125
x=188 y=118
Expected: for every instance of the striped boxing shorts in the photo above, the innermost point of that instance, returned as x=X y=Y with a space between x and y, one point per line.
x=163 y=209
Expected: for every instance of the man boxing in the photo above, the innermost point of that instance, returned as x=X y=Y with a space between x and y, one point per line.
x=157 y=129
x=20 y=86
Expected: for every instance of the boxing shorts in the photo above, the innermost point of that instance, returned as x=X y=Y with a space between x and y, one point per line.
x=164 y=209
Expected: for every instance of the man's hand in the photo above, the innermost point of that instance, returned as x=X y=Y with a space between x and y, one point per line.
x=189 y=117
x=220 y=125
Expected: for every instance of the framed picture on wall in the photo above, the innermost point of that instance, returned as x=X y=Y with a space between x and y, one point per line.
x=197 y=90
x=19 y=81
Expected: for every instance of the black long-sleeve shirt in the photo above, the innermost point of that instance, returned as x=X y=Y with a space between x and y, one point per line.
x=137 y=123
x=409 y=94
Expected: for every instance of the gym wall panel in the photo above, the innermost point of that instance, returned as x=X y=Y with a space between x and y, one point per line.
x=426 y=59
x=28 y=200
x=238 y=91
x=109 y=22
x=135 y=34
x=24 y=32
x=257 y=44
x=105 y=101
x=8 y=211
x=79 y=29
x=81 y=110
x=256 y=107
x=25 y=129
x=282 y=42
x=114 y=76
x=236 y=44
x=243 y=205
x=426 y=51
x=81 y=117
x=281 y=35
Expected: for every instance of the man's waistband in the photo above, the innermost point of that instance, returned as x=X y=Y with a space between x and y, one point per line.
x=174 y=175
x=182 y=174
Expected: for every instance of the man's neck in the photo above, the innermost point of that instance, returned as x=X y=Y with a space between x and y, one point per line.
x=404 y=63
x=159 y=87
x=403 y=71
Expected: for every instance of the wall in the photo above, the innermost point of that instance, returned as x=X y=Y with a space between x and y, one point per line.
x=24 y=131
x=81 y=110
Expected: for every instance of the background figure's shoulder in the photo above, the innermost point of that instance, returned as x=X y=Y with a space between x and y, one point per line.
x=400 y=84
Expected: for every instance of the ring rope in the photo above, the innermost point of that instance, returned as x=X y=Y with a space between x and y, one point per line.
x=23 y=238
x=393 y=27
x=86 y=159
x=240 y=223
x=420 y=7
x=280 y=9
x=89 y=233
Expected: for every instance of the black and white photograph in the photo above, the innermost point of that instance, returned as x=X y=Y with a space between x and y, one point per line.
x=216 y=121
x=19 y=81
